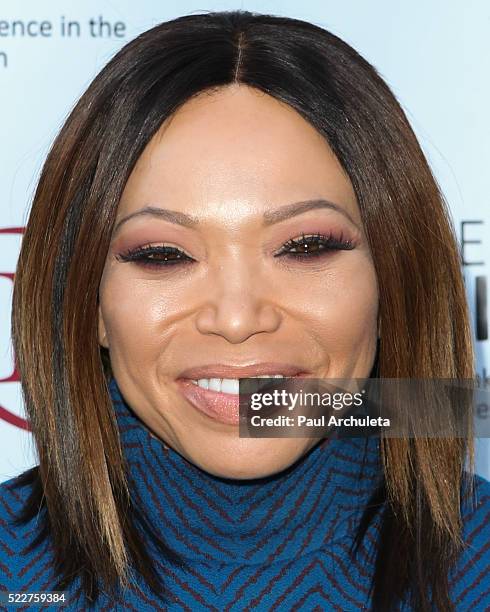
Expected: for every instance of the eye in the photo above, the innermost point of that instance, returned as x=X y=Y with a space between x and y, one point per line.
x=155 y=256
x=314 y=245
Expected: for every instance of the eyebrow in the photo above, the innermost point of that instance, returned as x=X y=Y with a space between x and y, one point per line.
x=297 y=208
x=269 y=217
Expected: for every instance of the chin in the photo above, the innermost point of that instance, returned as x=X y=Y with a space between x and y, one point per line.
x=254 y=458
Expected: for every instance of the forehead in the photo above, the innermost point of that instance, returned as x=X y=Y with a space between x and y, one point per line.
x=236 y=144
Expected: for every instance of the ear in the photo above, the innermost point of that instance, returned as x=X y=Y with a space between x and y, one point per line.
x=102 y=332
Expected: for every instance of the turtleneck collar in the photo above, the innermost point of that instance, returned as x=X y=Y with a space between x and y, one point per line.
x=207 y=518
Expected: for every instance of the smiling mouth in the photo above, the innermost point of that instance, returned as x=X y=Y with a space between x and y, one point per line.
x=219 y=398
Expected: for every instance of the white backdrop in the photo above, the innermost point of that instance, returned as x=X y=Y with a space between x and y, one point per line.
x=434 y=54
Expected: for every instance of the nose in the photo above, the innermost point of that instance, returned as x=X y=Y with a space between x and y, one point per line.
x=238 y=305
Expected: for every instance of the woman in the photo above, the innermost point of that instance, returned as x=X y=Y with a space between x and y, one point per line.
x=236 y=195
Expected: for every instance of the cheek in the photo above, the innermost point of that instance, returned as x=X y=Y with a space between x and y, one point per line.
x=343 y=306
x=136 y=313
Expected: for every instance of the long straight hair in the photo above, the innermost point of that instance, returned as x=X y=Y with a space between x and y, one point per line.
x=81 y=479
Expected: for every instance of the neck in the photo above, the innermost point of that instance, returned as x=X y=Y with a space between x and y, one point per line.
x=279 y=517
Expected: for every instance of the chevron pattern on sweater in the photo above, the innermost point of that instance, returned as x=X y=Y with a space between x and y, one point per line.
x=276 y=543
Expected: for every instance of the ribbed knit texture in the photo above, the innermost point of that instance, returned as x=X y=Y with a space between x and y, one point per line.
x=276 y=543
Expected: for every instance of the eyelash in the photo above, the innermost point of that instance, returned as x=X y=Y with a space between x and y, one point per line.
x=325 y=244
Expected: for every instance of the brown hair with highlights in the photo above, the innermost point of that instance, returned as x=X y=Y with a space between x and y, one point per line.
x=80 y=483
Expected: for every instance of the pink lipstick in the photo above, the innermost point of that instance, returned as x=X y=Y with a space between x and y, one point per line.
x=223 y=405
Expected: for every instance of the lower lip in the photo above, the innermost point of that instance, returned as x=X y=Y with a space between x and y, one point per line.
x=222 y=407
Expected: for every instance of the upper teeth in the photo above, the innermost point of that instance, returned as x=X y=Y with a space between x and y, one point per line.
x=227 y=385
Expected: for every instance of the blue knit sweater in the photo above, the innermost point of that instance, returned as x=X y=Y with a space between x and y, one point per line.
x=277 y=543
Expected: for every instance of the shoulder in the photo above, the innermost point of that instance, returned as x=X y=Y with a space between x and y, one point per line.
x=475 y=514
x=18 y=550
x=469 y=582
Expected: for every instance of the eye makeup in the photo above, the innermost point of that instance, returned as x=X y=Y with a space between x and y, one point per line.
x=155 y=256
x=302 y=249
x=314 y=245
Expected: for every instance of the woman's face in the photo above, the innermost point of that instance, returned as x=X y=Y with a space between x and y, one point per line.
x=239 y=179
